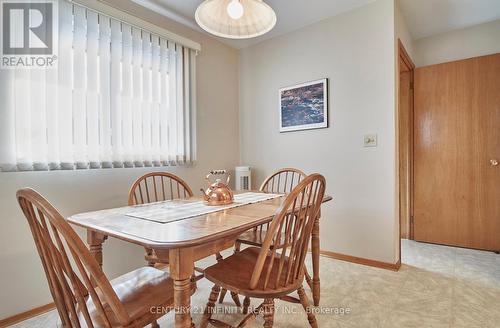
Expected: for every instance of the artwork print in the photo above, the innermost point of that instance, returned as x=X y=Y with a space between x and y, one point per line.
x=304 y=106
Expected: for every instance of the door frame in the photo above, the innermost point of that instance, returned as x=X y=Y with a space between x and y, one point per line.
x=404 y=145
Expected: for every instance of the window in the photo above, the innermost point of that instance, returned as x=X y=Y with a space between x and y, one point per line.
x=120 y=97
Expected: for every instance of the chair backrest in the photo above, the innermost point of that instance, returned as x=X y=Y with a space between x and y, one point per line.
x=289 y=234
x=71 y=271
x=158 y=186
x=282 y=181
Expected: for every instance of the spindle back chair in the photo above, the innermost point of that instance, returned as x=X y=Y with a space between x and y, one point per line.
x=279 y=264
x=156 y=187
x=281 y=182
x=290 y=233
x=83 y=295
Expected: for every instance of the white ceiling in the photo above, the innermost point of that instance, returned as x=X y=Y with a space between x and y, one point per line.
x=429 y=17
x=292 y=14
x=424 y=17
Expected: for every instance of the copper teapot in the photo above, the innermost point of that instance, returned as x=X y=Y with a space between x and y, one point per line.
x=218 y=192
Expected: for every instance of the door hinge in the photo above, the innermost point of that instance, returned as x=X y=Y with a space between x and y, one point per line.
x=412 y=219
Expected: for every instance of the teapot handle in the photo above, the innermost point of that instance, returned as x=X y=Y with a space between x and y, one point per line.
x=216 y=172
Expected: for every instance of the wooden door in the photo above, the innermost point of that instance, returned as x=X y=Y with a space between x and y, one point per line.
x=456 y=144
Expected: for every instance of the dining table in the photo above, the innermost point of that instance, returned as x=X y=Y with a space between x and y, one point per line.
x=180 y=238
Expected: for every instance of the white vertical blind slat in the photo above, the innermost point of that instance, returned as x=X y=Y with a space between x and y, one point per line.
x=179 y=108
x=65 y=85
x=146 y=105
x=165 y=95
x=80 y=87
x=192 y=109
x=52 y=105
x=8 y=122
x=115 y=91
x=23 y=120
x=105 y=129
x=155 y=100
x=187 y=104
x=137 y=83
x=127 y=96
x=120 y=96
x=92 y=89
x=38 y=127
x=172 y=103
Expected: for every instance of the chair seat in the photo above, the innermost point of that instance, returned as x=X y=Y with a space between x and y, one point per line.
x=139 y=291
x=235 y=272
x=255 y=237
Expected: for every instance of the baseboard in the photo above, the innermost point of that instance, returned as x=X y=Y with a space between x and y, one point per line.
x=26 y=315
x=363 y=261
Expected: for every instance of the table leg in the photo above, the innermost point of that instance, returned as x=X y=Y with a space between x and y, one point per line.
x=95 y=241
x=315 y=260
x=181 y=269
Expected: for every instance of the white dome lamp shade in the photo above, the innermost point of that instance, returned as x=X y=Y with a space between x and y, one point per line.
x=235 y=19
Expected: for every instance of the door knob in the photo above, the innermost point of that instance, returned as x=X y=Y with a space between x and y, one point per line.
x=493 y=162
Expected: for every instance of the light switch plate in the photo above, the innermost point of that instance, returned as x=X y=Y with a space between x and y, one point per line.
x=370 y=140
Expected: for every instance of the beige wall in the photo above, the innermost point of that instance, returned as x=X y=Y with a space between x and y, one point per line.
x=22 y=284
x=479 y=40
x=403 y=33
x=355 y=51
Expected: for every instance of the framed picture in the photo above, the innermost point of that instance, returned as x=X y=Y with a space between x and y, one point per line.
x=304 y=106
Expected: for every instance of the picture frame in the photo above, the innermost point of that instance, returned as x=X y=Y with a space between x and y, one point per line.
x=304 y=106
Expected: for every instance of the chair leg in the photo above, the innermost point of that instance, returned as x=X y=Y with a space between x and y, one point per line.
x=194 y=285
x=210 y=306
x=315 y=246
x=234 y=296
x=246 y=304
x=304 y=300
x=236 y=299
x=149 y=253
x=268 y=308
x=222 y=295
x=223 y=292
x=308 y=278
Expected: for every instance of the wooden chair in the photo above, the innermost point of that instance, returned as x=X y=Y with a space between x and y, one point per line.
x=272 y=272
x=83 y=295
x=156 y=187
x=280 y=182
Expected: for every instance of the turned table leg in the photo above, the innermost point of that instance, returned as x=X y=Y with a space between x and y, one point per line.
x=315 y=260
x=181 y=269
x=95 y=241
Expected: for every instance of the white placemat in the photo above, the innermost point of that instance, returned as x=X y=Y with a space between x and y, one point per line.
x=175 y=210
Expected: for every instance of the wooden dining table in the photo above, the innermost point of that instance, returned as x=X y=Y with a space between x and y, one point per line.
x=183 y=242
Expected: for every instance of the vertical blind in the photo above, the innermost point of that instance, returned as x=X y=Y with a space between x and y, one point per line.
x=119 y=97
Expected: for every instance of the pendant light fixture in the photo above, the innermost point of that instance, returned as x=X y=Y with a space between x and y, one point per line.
x=235 y=19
